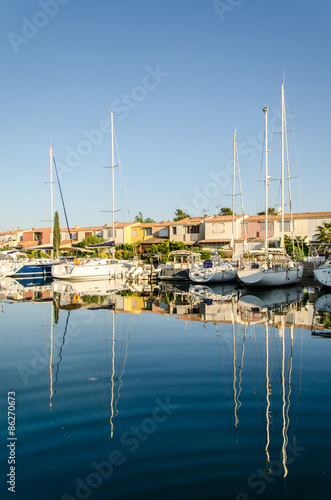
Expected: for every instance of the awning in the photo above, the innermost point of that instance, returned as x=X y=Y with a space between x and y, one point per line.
x=104 y=244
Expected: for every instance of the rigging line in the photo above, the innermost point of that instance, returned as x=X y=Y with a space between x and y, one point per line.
x=289 y=184
x=234 y=385
x=241 y=195
x=258 y=373
x=119 y=163
x=289 y=385
x=258 y=201
x=108 y=176
x=295 y=153
x=120 y=195
x=124 y=362
x=64 y=208
x=300 y=384
x=60 y=352
x=241 y=366
x=284 y=445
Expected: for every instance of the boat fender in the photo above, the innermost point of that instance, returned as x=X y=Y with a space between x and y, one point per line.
x=76 y=262
x=76 y=298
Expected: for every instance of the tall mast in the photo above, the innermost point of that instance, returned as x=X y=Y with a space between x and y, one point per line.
x=282 y=164
x=112 y=178
x=52 y=203
x=265 y=110
x=233 y=189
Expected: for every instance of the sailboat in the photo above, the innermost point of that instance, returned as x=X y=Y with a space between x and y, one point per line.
x=96 y=268
x=272 y=267
x=19 y=264
x=323 y=273
x=217 y=270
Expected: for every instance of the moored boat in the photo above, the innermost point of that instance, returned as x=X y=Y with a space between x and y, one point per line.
x=90 y=269
x=275 y=268
x=323 y=273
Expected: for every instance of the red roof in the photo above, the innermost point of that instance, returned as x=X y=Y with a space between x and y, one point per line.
x=224 y=218
x=189 y=221
x=214 y=241
x=303 y=215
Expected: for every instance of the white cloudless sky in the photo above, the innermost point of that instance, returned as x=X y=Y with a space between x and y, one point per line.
x=180 y=75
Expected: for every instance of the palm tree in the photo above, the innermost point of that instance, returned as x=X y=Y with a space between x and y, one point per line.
x=323 y=235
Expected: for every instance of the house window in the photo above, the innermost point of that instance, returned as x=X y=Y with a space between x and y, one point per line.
x=134 y=233
x=148 y=231
x=270 y=226
x=174 y=230
x=37 y=236
x=192 y=230
x=218 y=227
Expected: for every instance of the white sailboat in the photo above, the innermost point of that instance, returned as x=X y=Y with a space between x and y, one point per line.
x=96 y=268
x=19 y=264
x=323 y=273
x=217 y=270
x=272 y=267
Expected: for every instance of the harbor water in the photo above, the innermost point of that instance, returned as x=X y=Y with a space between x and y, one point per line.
x=164 y=393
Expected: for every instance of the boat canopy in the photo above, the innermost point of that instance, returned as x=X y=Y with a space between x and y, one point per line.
x=104 y=244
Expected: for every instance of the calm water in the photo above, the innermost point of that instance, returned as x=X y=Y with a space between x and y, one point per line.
x=165 y=396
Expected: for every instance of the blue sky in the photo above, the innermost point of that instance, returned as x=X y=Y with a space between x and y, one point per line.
x=181 y=75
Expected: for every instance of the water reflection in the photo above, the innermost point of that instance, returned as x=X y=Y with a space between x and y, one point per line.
x=305 y=307
x=236 y=378
x=322 y=316
x=26 y=290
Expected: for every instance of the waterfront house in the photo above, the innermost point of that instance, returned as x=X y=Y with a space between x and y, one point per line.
x=189 y=230
x=11 y=238
x=218 y=232
x=304 y=226
x=154 y=234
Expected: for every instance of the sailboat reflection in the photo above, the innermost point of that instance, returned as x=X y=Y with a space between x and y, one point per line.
x=116 y=374
x=270 y=299
x=269 y=302
x=78 y=289
x=213 y=292
x=321 y=325
x=25 y=290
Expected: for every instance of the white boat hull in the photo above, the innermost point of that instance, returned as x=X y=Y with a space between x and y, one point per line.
x=90 y=270
x=213 y=292
x=269 y=299
x=324 y=303
x=323 y=275
x=270 y=277
x=212 y=276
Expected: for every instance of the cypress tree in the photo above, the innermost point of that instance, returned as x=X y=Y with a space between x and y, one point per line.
x=56 y=234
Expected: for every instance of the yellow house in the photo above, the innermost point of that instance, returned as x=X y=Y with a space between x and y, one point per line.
x=132 y=232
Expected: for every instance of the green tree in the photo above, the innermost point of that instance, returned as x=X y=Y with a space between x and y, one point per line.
x=180 y=214
x=323 y=235
x=90 y=239
x=140 y=218
x=225 y=211
x=271 y=211
x=56 y=234
x=301 y=249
